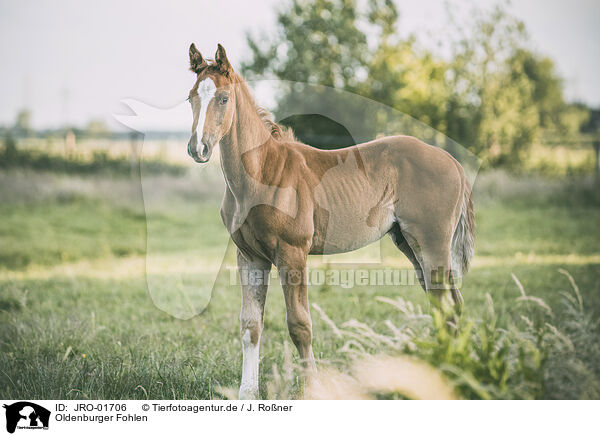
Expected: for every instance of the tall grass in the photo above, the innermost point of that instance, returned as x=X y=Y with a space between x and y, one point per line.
x=529 y=353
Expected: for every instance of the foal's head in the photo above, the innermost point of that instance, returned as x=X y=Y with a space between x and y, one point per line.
x=213 y=101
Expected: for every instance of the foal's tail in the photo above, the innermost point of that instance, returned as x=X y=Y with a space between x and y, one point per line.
x=464 y=237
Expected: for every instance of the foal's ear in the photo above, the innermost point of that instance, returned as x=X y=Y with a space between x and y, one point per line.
x=197 y=62
x=222 y=62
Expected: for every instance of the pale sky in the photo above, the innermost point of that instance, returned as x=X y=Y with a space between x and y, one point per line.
x=72 y=60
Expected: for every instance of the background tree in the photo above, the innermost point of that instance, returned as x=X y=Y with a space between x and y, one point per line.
x=22 y=125
x=316 y=42
x=492 y=94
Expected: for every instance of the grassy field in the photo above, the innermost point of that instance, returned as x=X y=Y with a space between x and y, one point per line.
x=77 y=319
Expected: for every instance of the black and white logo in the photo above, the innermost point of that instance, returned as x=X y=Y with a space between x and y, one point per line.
x=26 y=415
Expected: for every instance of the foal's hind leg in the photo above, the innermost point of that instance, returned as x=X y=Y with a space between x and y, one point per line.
x=432 y=248
x=254 y=276
x=438 y=278
x=402 y=244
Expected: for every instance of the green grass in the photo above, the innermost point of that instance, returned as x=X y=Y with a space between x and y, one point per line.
x=77 y=319
x=74 y=229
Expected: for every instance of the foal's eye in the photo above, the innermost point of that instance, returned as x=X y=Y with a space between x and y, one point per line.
x=224 y=99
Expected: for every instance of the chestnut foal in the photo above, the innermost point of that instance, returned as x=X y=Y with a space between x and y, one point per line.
x=285 y=200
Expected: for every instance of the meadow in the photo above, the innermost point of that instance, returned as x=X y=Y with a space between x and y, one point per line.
x=77 y=320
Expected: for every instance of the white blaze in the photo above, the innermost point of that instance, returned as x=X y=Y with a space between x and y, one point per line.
x=206 y=92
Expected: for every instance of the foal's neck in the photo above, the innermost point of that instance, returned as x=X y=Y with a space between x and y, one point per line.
x=247 y=133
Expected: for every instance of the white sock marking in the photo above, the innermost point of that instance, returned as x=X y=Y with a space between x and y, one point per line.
x=250 y=365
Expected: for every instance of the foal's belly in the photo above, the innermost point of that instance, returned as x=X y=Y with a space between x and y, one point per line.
x=349 y=229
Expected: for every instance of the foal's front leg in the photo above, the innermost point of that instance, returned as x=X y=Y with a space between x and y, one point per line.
x=291 y=263
x=254 y=276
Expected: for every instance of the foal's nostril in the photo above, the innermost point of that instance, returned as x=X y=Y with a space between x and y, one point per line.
x=207 y=142
x=204 y=149
x=192 y=144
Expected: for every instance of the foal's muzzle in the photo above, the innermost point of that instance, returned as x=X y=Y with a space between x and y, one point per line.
x=202 y=155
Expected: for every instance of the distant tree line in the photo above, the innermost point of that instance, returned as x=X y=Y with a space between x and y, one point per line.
x=482 y=85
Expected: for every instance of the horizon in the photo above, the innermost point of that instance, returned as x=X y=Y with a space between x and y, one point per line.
x=87 y=70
